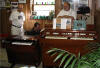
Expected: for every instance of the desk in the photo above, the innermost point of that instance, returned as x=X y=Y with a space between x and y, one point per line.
x=23 y=54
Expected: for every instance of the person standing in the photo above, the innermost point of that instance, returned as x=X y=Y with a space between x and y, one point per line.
x=17 y=19
x=67 y=12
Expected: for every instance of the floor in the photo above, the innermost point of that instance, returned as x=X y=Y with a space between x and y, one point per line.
x=4 y=61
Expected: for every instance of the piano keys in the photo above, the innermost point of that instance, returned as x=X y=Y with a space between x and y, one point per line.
x=68 y=38
x=70 y=34
x=21 y=43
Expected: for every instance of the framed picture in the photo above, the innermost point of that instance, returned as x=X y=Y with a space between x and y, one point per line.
x=76 y=3
x=22 y=1
x=98 y=5
x=2 y=3
x=83 y=2
x=34 y=13
x=66 y=1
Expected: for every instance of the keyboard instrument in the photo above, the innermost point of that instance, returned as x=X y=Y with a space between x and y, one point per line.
x=19 y=41
x=70 y=34
x=22 y=43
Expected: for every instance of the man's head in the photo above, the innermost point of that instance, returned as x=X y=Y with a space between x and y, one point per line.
x=66 y=6
x=37 y=26
x=20 y=7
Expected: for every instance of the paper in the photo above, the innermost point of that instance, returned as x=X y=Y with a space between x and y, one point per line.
x=54 y=23
x=61 y=23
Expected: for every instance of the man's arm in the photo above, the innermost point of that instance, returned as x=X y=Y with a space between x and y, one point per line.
x=66 y=16
x=23 y=16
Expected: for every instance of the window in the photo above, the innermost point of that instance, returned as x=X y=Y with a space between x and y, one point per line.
x=44 y=7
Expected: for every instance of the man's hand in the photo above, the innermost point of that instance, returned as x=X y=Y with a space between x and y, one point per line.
x=66 y=16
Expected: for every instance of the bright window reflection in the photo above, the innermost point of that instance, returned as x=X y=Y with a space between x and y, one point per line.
x=44 y=1
x=44 y=7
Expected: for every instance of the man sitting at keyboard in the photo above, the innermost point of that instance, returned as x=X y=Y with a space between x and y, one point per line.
x=35 y=30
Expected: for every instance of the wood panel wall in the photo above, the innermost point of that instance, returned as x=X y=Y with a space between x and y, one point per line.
x=28 y=25
x=97 y=17
x=4 y=21
x=97 y=21
x=0 y=22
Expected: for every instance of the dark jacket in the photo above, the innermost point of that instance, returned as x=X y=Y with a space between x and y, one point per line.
x=33 y=32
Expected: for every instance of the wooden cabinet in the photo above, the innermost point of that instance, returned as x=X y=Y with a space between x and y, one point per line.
x=28 y=53
x=23 y=54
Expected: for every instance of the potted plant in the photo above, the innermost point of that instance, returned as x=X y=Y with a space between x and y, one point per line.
x=90 y=60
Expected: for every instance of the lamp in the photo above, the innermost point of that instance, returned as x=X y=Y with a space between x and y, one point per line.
x=83 y=10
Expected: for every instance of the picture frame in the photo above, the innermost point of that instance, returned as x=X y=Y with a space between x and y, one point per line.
x=83 y=2
x=2 y=4
x=98 y=5
x=76 y=3
x=22 y=1
x=34 y=13
x=66 y=1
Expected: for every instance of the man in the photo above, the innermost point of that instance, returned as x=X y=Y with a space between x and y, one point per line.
x=17 y=19
x=35 y=30
x=66 y=12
